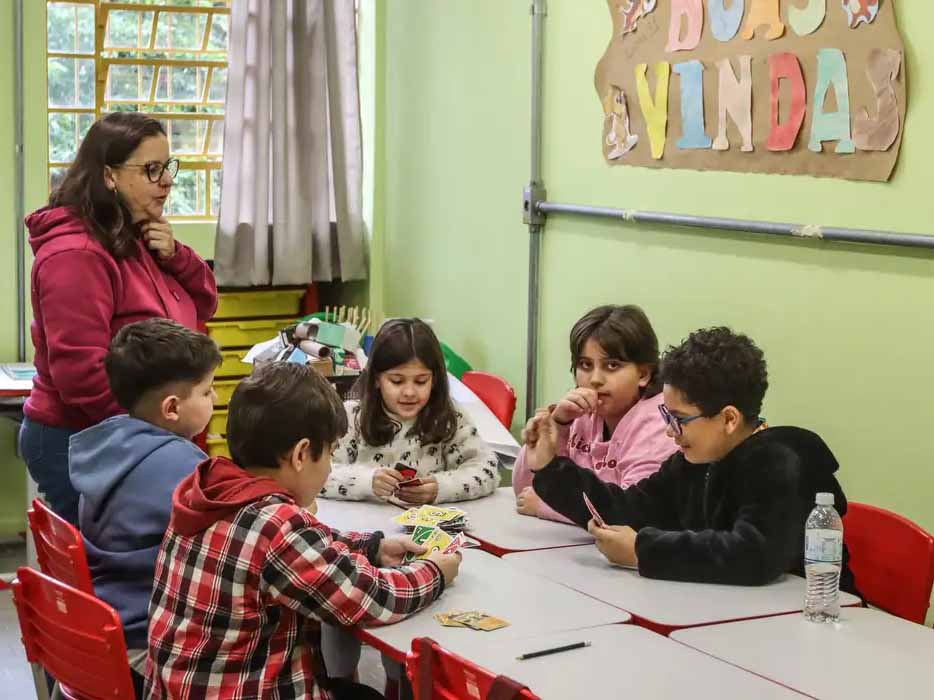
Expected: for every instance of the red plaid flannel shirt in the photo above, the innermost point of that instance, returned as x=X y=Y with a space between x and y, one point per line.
x=236 y=609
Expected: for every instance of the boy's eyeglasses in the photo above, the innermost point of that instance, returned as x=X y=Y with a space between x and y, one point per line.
x=676 y=423
x=154 y=169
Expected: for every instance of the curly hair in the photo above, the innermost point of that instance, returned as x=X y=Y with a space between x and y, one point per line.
x=716 y=367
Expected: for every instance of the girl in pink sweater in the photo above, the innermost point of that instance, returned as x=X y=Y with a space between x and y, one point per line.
x=610 y=422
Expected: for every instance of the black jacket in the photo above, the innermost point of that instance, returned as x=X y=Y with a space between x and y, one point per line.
x=737 y=521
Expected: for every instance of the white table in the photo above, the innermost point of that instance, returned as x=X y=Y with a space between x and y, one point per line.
x=663 y=605
x=868 y=654
x=361 y=516
x=623 y=661
x=495 y=522
x=533 y=606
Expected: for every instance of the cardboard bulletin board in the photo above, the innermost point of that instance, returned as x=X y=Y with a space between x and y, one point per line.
x=814 y=87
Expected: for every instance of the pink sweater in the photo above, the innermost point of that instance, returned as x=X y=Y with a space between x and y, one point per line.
x=636 y=449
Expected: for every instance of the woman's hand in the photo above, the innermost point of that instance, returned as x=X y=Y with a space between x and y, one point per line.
x=426 y=492
x=159 y=237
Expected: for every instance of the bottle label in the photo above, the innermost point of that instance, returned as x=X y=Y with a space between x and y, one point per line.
x=823 y=545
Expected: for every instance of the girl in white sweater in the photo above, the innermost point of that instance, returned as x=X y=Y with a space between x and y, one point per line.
x=405 y=417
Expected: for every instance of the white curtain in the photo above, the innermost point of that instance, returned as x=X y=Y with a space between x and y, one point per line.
x=292 y=146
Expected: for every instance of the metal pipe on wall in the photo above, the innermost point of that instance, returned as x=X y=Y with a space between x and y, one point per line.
x=533 y=192
x=768 y=228
x=19 y=206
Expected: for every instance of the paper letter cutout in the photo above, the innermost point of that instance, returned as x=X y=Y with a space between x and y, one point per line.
x=655 y=112
x=860 y=11
x=692 y=105
x=782 y=137
x=735 y=99
x=880 y=133
x=619 y=138
x=693 y=11
x=833 y=126
x=806 y=20
x=763 y=12
x=725 y=23
x=633 y=12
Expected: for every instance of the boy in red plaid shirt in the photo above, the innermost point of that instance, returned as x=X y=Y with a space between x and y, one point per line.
x=246 y=574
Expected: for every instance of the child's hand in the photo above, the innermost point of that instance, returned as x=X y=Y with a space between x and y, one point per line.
x=527 y=501
x=576 y=403
x=392 y=550
x=545 y=448
x=448 y=563
x=530 y=431
x=616 y=542
x=385 y=482
x=426 y=492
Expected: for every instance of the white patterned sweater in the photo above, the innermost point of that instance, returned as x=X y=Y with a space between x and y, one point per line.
x=464 y=466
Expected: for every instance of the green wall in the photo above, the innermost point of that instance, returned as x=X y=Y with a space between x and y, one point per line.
x=847 y=330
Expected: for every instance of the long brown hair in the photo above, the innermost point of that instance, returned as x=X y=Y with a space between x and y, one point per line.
x=399 y=341
x=625 y=334
x=109 y=141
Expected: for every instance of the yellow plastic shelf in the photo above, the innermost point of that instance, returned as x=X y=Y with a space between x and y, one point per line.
x=232 y=366
x=217 y=447
x=232 y=334
x=218 y=423
x=253 y=303
x=224 y=390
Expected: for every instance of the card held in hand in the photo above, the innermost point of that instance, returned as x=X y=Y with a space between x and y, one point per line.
x=593 y=511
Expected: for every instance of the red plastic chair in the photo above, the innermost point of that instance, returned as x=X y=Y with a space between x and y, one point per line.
x=59 y=548
x=76 y=637
x=892 y=560
x=495 y=392
x=438 y=674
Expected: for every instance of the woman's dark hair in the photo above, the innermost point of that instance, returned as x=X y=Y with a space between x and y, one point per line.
x=716 y=367
x=625 y=334
x=277 y=406
x=109 y=141
x=399 y=341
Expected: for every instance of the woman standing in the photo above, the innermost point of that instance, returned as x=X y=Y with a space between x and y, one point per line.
x=104 y=257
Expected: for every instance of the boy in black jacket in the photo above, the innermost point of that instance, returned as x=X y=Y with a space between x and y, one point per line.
x=730 y=506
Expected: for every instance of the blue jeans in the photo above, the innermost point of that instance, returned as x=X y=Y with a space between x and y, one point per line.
x=45 y=450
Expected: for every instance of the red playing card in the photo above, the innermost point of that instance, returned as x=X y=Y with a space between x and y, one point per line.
x=408 y=476
x=593 y=511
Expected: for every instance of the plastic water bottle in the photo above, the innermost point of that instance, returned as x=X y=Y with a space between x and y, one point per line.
x=823 y=558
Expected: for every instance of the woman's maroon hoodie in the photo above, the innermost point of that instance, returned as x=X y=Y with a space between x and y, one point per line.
x=81 y=296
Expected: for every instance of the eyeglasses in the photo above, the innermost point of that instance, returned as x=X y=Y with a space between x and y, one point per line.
x=676 y=423
x=154 y=169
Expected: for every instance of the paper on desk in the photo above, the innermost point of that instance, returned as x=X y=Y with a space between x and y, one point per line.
x=16 y=376
x=260 y=348
x=491 y=430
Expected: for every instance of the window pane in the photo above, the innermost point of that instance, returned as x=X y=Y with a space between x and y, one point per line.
x=84 y=123
x=56 y=175
x=218 y=92
x=86 y=82
x=85 y=28
x=178 y=84
x=216 y=147
x=128 y=29
x=60 y=26
x=62 y=82
x=62 y=144
x=129 y=82
x=180 y=31
x=186 y=136
x=218 y=39
x=186 y=196
x=215 y=191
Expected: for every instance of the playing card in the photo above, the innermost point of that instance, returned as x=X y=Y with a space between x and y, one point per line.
x=409 y=476
x=593 y=511
x=479 y=620
x=446 y=621
x=434 y=538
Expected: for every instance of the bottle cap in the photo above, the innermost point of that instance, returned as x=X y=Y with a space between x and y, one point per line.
x=825 y=499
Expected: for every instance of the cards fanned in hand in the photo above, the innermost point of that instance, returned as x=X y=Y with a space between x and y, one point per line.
x=409 y=476
x=474 y=619
x=593 y=511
